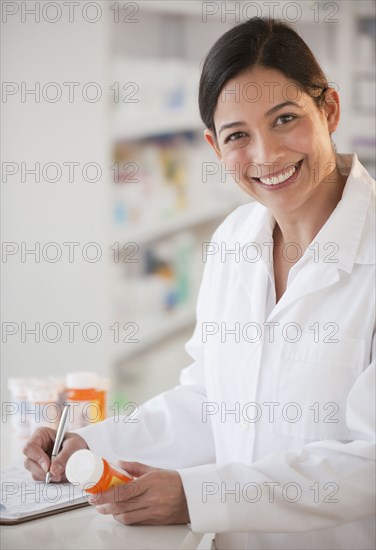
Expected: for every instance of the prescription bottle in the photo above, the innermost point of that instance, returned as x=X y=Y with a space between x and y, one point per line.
x=59 y=384
x=81 y=394
x=44 y=410
x=16 y=410
x=92 y=473
x=102 y=391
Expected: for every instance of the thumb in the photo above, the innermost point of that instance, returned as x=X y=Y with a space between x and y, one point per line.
x=71 y=444
x=136 y=469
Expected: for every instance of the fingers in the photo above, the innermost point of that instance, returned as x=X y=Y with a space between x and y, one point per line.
x=129 y=492
x=71 y=444
x=58 y=464
x=119 y=500
x=119 y=508
x=36 y=471
x=38 y=451
x=36 y=454
x=136 y=469
x=37 y=447
x=135 y=517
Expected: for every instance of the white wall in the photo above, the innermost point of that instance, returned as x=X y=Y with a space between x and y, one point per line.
x=48 y=212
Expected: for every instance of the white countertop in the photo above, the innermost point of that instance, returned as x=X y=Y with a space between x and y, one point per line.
x=84 y=528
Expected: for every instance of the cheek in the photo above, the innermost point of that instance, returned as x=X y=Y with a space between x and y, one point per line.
x=233 y=156
x=236 y=162
x=301 y=139
x=312 y=137
x=314 y=141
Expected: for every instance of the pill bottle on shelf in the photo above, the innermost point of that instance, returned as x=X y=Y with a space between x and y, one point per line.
x=19 y=420
x=44 y=410
x=93 y=473
x=59 y=384
x=102 y=393
x=81 y=394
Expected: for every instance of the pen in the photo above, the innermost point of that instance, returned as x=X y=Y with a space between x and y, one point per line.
x=59 y=437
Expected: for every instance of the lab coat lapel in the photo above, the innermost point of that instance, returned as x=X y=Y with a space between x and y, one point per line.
x=256 y=275
x=254 y=268
x=310 y=279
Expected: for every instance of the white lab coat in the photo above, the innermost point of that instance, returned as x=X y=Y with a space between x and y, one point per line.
x=292 y=466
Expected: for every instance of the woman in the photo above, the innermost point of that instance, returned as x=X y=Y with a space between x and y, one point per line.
x=269 y=438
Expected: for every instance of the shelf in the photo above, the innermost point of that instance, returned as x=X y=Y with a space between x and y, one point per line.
x=178 y=7
x=149 y=126
x=185 y=220
x=153 y=333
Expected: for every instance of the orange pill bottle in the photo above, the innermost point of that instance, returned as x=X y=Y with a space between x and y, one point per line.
x=81 y=394
x=103 y=387
x=93 y=473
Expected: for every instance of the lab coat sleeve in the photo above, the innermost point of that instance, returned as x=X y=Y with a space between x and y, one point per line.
x=327 y=483
x=166 y=431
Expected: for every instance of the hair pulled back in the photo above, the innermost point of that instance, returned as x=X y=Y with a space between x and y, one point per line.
x=258 y=42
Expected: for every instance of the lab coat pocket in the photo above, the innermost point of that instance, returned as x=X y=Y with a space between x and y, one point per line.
x=312 y=385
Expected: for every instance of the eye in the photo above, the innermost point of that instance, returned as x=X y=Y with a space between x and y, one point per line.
x=234 y=137
x=285 y=119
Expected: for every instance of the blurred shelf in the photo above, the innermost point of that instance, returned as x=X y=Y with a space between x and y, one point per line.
x=362 y=123
x=154 y=125
x=151 y=333
x=179 y=7
x=185 y=220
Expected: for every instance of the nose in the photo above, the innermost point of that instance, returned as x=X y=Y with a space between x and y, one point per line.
x=266 y=155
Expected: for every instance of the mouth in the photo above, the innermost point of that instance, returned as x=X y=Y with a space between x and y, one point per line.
x=277 y=182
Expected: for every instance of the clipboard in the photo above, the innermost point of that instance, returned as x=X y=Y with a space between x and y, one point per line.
x=43 y=514
x=24 y=499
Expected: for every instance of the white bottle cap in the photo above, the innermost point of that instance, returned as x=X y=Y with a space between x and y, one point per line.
x=19 y=385
x=84 y=468
x=104 y=383
x=57 y=383
x=81 y=380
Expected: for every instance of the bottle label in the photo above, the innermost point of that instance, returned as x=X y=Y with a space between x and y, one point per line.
x=82 y=413
x=119 y=478
x=116 y=481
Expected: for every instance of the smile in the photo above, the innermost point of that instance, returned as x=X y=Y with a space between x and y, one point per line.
x=277 y=181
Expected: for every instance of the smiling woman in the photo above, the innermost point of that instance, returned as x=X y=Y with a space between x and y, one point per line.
x=270 y=116
x=269 y=439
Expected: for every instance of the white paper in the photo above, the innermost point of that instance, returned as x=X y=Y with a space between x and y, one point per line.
x=22 y=496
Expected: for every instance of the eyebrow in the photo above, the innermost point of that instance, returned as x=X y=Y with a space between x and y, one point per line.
x=268 y=113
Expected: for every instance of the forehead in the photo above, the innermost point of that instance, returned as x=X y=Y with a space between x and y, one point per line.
x=256 y=90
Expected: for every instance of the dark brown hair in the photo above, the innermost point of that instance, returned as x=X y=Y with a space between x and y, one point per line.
x=258 y=42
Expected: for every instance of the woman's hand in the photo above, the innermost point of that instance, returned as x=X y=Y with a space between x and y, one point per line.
x=156 y=497
x=38 y=451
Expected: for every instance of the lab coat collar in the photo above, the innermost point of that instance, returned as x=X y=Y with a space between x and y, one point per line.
x=350 y=220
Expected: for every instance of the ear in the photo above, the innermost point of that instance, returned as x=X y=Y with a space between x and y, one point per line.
x=332 y=109
x=210 y=138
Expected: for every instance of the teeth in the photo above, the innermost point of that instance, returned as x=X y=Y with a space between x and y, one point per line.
x=278 y=179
